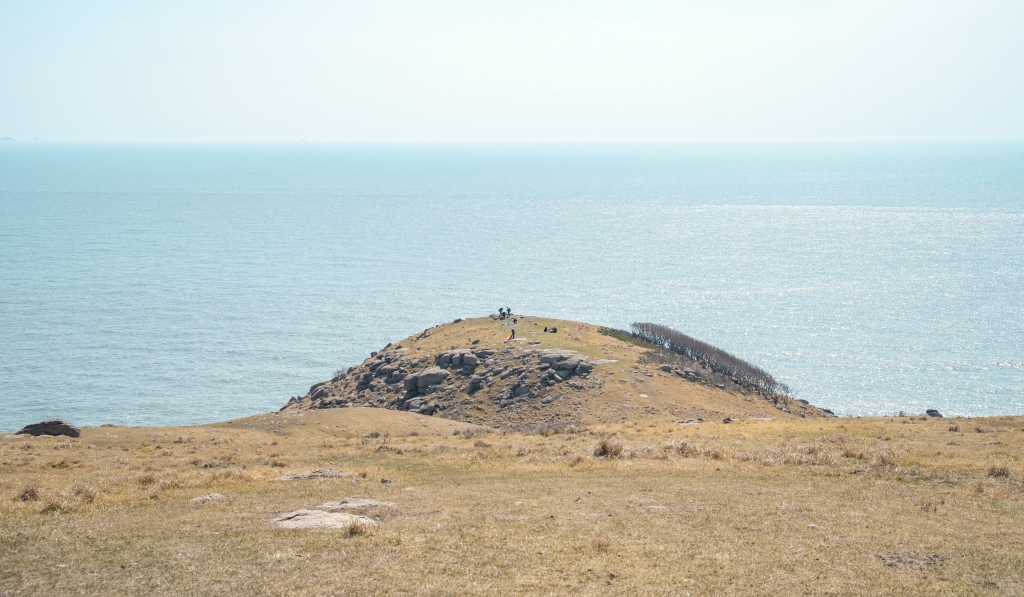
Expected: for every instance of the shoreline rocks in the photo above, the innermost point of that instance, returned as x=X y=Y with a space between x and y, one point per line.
x=50 y=427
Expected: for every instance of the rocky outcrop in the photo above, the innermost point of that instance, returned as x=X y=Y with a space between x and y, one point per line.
x=429 y=384
x=51 y=427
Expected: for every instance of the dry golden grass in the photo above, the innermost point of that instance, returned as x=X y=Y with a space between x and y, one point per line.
x=837 y=506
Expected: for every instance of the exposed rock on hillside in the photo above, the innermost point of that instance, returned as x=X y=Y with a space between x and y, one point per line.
x=524 y=381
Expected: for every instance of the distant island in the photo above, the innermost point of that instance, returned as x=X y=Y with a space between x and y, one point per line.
x=8 y=139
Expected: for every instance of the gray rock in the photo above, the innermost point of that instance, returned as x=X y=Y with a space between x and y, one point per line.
x=50 y=427
x=931 y=412
x=666 y=368
x=431 y=377
x=470 y=360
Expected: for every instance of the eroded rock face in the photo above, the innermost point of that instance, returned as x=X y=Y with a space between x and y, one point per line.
x=429 y=384
x=51 y=427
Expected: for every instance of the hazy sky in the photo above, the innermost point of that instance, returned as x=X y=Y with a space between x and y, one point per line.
x=477 y=71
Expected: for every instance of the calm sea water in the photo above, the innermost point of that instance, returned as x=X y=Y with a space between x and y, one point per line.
x=173 y=284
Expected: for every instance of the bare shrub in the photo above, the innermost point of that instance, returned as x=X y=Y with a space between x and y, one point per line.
x=62 y=446
x=358 y=526
x=608 y=448
x=687 y=449
x=549 y=428
x=999 y=471
x=146 y=480
x=85 y=493
x=954 y=428
x=54 y=507
x=853 y=454
x=29 y=494
x=481 y=444
x=711 y=357
x=600 y=544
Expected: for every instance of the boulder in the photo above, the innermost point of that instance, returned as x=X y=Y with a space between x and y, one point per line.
x=431 y=377
x=666 y=368
x=318 y=519
x=51 y=427
x=931 y=412
x=470 y=360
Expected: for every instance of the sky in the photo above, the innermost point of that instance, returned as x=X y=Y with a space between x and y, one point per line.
x=396 y=71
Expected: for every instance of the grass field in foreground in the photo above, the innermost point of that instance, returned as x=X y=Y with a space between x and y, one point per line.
x=884 y=506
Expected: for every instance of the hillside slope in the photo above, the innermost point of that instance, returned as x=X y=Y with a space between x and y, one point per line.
x=581 y=373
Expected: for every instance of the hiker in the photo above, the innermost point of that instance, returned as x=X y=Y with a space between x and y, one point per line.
x=515 y=320
x=545 y=328
x=513 y=334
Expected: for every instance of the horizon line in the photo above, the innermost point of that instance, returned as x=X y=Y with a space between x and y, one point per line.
x=681 y=141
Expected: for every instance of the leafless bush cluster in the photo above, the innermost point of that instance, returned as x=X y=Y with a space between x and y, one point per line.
x=711 y=357
x=609 y=448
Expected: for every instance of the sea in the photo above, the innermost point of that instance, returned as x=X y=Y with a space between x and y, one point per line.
x=171 y=284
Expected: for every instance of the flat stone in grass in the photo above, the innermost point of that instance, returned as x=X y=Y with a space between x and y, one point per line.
x=351 y=503
x=318 y=519
x=896 y=560
x=320 y=473
x=209 y=498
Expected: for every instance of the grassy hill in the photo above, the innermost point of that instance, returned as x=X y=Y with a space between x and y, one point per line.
x=513 y=384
